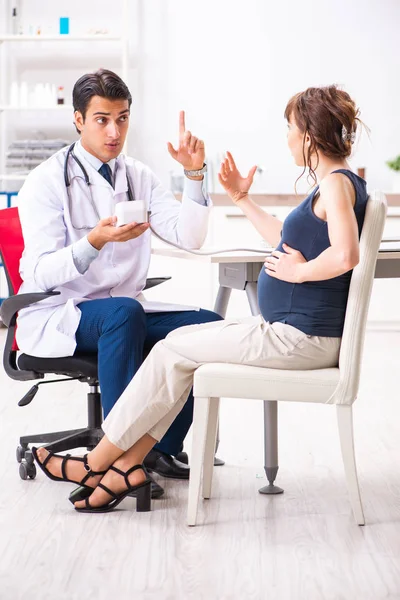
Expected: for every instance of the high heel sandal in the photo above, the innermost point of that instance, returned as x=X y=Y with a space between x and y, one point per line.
x=65 y=459
x=143 y=489
x=82 y=492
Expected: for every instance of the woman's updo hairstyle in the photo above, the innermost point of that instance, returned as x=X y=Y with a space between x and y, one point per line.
x=330 y=117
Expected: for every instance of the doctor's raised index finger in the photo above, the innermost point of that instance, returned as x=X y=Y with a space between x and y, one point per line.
x=182 y=126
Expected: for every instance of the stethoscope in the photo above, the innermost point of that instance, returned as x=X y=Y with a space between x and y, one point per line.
x=131 y=197
x=67 y=181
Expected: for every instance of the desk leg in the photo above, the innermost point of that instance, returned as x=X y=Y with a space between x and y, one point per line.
x=270 y=416
x=222 y=300
x=251 y=292
x=220 y=307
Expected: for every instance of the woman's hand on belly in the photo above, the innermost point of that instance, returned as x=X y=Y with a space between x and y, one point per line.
x=287 y=266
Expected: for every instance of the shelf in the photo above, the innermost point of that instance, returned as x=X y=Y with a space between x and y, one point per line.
x=60 y=38
x=20 y=110
x=49 y=107
x=8 y=177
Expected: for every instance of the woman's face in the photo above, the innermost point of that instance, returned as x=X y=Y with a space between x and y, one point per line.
x=295 y=139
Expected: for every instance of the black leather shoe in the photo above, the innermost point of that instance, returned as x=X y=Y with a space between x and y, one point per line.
x=182 y=457
x=166 y=465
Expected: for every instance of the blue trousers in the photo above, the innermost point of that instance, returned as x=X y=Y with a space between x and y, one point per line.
x=122 y=334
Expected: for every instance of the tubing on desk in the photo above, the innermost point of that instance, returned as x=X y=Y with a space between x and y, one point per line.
x=265 y=252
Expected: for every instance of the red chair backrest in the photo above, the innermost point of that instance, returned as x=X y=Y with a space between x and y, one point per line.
x=11 y=246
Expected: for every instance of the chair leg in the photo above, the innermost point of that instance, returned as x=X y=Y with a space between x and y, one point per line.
x=86 y=437
x=345 y=425
x=47 y=438
x=200 y=425
x=208 y=465
x=271 y=447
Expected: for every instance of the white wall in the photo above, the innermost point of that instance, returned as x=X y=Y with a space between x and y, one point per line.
x=232 y=65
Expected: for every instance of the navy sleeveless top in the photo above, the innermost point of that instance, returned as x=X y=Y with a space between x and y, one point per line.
x=314 y=307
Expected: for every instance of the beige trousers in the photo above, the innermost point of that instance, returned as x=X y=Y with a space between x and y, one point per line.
x=160 y=388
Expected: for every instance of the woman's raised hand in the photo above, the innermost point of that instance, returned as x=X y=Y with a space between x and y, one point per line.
x=234 y=184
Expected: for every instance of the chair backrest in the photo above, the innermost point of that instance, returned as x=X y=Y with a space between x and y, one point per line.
x=358 y=301
x=11 y=247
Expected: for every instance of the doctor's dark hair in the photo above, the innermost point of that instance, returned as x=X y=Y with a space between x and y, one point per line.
x=103 y=83
x=330 y=117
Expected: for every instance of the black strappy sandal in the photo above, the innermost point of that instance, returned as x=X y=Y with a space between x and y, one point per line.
x=82 y=492
x=65 y=459
x=143 y=502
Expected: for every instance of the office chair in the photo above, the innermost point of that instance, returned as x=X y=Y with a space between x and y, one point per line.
x=81 y=366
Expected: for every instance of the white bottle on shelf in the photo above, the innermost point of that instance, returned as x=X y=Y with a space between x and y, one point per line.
x=53 y=99
x=23 y=94
x=14 y=94
x=48 y=95
x=38 y=95
x=14 y=21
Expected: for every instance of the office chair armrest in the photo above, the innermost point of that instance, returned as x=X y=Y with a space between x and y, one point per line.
x=153 y=281
x=13 y=304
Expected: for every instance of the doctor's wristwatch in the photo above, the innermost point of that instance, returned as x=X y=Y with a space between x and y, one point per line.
x=196 y=173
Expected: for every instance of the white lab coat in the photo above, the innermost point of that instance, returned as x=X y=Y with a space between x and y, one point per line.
x=47 y=329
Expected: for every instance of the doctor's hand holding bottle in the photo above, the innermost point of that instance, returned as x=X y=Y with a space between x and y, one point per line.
x=105 y=231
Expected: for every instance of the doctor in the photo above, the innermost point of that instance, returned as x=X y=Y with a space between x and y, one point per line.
x=72 y=246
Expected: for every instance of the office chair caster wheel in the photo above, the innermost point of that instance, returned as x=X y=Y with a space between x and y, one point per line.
x=29 y=458
x=27 y=470
x=20 y=453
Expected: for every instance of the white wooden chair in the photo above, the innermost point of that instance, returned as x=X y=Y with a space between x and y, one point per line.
x=337 y=386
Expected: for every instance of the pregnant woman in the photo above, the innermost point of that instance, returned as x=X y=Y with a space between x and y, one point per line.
x=302 y=291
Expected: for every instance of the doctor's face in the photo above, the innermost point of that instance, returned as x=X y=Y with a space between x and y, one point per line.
x=104 y=129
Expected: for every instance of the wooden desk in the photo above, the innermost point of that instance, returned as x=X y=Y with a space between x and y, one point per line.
x=240 y=270
x=290 y=199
